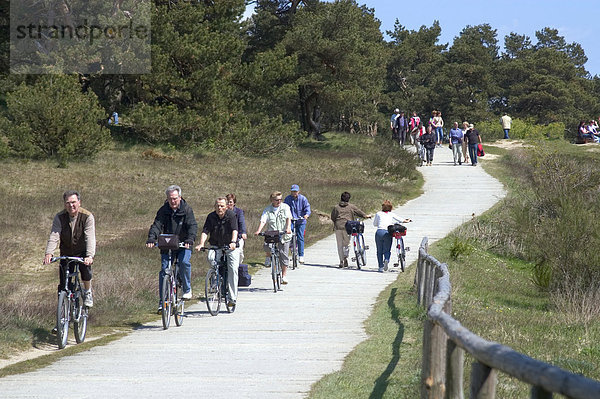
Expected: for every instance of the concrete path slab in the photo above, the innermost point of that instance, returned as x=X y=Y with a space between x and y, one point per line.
x=276 y=345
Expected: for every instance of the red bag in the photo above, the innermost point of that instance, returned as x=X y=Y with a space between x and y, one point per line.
x=480 y=151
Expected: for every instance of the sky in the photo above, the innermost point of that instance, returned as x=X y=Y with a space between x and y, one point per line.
x=576 y=20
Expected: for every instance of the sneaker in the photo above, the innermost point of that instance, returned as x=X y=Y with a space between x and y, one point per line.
x=284 y=280
x=341 y=265
x=385 y=265
x=345 y=262
x=187 y=295
x=231 y=303
x=268 y=261
x=54 y=330
x=380 y=270
x=88 y=300
x=159 y=311
x=301 y=259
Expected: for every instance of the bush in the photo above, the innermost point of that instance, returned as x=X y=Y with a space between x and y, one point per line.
x=53 y=118
x=522 y=130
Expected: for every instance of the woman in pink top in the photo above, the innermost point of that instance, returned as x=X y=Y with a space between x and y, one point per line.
x=383 y=239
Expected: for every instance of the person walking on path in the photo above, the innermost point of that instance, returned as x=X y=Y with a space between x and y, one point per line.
x=402 y=125
x=221 y=229
x=506 y=122
x=438 y=126
x=456 y=139
x=394 y=124
x=343 y=212
x=242 y=232
x=465 y=147
x=75 y=229
x=414 y=125
x=428 y=141
x=300 y=208
x=175 y=217
x=278 y=216
x=473 y=139
x=383 y=239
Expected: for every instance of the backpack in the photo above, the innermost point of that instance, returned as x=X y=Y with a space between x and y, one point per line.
x=244 y=278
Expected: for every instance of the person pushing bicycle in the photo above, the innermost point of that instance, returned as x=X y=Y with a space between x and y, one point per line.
x=75 y=229
x=175 y=217
x=344 y=211
x=221 y=229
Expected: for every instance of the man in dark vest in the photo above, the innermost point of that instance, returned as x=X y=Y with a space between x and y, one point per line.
x=74 y=228
x=175 y=216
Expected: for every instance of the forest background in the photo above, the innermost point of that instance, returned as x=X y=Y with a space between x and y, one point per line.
x=259 y=85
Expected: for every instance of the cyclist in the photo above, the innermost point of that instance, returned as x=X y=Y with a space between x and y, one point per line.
x=341 y=213
x=75 y=229
x=300 y=208
x=242 y=232
x=222 y=227
x=278 y=216
x=383 y=239
x=175 y=217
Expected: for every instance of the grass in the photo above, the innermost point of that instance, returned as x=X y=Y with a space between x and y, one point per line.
x=492 y=295
x=124 y=187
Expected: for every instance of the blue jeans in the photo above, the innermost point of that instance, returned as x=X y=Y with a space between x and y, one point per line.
x=383 y=242
x=299 y=227
x=506 y=133
x=473 y=153
x=439 y=132
x=185 y=269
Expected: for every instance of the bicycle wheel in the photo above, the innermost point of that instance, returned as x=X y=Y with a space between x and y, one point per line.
x=167 y=302
x=274 y=264
x=179 y=305
x=80 y=316
x=356 y=246
x=212 y=290
x=402 y=255
x=294 y=247
x=363 y=257
x=62 y=319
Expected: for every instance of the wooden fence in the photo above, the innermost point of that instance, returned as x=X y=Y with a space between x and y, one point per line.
x=445 y=342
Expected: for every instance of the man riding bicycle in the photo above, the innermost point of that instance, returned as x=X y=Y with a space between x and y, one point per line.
x=75 y=229
x=300 y=208
x=175 y=217
x=278 y=216
x=221 y=229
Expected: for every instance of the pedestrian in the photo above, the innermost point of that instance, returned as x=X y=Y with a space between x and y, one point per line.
x=402 y=125
x=74 y=233
x=456 y=139
x=506 y=122
x=242 y=232
x=300 y=208
x=473 y=139
x=383 y=239
x=393 y=124
x=413 y=125
x=428 y=141
x=438 y=126
x=343 y=212
x=465 y=147
x=176 y=217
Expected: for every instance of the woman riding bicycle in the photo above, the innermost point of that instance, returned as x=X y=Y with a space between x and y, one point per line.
x=278 y=216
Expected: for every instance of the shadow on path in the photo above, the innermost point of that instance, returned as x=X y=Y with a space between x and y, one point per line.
x=381 y=383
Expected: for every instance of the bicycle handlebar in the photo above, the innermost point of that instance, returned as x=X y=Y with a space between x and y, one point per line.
x=215 y=248
x=73 y=258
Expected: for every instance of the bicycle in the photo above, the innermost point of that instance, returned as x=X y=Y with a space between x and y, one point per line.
x=356 y=228
x=172 y=303
x=398 y=231
x=272 y=238
x=70 y=303
x=294 y=245
x=215 y=285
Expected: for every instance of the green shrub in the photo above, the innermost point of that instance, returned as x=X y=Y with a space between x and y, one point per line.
x=460 y=247
x=53 y=118
x=521 y=130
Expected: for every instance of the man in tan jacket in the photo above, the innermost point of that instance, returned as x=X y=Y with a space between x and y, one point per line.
x=341 y=213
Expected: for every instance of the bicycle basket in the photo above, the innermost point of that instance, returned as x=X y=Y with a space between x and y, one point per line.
x=397 y=230
x=168 y=241
x=271 y=237
x=354 y=226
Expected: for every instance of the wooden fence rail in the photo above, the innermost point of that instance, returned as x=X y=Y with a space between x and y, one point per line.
x=445 y=342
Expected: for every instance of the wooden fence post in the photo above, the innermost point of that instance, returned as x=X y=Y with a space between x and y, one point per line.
x=455 y=366
x=483 y=381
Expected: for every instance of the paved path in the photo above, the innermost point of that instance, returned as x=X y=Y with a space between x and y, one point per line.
x=274 y=345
